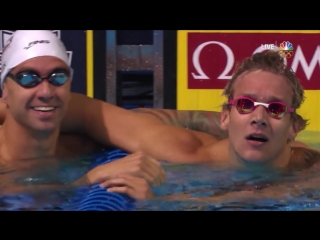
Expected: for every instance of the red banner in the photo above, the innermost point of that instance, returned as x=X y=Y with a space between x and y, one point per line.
x=213 y=56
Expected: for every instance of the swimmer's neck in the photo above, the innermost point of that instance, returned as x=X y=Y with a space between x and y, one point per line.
x=19 y=143
x=280 y=162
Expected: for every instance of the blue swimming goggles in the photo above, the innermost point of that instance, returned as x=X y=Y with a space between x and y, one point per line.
x=30 y=79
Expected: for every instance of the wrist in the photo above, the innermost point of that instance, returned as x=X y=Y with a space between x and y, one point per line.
x=83 y=181
x=97 y=174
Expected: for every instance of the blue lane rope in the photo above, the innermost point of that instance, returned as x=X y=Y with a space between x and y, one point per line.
x=97 y=198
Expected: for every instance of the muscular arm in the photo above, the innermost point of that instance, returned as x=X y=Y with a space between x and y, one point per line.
x=112 y=125
x=115 y=126
x=144 y=129
x=203 y=121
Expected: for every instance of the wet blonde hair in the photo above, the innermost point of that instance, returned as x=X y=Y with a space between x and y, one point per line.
x=273 y=62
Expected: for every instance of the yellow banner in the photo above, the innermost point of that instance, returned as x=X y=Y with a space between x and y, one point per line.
x=89 y=52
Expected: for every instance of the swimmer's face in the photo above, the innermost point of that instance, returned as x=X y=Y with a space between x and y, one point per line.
x=264 y=87
x=24 y=103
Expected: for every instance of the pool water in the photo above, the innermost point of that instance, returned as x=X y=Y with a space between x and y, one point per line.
x=197 y=188
x=188 y=187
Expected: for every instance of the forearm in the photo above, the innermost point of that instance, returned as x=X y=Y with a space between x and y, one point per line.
x=175 y=144
x=92 y=177
x=81 y=182
x=203 y=121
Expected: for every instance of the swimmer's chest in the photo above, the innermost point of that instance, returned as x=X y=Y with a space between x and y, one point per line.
x=73 y=145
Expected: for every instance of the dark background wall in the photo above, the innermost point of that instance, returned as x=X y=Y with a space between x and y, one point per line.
x=137 y=37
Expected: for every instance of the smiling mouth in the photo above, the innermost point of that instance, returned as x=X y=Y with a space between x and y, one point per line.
x=257 y=137
x=44 y=109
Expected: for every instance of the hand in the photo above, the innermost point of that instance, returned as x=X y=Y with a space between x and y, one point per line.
x=135 y=187
x=136 y=164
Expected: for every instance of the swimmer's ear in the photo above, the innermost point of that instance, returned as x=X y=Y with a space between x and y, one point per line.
x=224 y=119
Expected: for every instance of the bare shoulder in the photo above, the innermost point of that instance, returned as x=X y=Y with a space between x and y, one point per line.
x=303 y=157
x=219 y=153
x=299 y=144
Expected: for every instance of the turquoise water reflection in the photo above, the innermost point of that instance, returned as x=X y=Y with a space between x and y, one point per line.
x=189 y=187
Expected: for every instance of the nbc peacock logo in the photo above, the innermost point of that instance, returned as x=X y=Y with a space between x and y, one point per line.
x=286 y=49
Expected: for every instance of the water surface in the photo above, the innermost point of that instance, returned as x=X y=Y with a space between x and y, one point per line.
x=188 y=187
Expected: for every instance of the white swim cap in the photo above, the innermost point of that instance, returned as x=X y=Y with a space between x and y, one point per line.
x=27 y=44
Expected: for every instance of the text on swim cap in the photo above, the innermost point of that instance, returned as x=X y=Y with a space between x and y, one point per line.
x=36 y=42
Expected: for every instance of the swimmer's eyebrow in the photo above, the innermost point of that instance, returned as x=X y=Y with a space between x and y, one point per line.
x=255 y=97
x=30 y=69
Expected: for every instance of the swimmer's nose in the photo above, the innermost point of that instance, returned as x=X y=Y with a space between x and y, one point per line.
x=259 y=117
x=45 y=90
